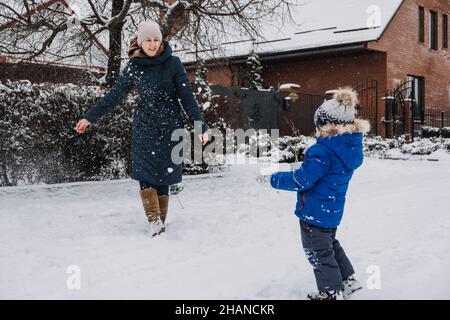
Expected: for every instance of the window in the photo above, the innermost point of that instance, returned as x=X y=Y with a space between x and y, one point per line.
x=416 y=91
x=433 y=30
x=421 y=24
x=445 y=31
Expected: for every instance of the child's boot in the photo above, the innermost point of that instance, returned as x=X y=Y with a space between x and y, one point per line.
x=326 y=295
x=350 y=285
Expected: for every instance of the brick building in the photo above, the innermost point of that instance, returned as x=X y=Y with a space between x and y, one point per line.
x=348 y=41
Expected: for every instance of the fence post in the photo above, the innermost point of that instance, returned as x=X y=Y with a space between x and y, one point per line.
x=388 y=119
x=409 y=119
x=442 y=120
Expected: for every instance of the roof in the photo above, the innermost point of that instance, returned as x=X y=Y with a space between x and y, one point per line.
x=317 y=24
x=66 y=45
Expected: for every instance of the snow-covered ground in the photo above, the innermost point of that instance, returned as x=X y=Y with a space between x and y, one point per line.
x=229 y=237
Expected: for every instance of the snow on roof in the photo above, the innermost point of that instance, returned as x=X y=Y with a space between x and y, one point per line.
x=64 y=50
x=317 y=23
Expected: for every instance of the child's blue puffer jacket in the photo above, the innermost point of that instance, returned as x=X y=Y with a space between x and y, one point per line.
x=322 y=180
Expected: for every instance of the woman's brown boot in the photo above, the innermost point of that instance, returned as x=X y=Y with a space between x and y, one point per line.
x=163 y=207
x=150 y=202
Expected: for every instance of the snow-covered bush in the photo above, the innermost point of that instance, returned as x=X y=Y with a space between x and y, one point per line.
x=421 y=147
x=445 y=132
x=212 y=163
x=385 y=148
x=431 y=132
x=38 y=143
x=428 y=132
x=377 y=146
x=259 y=144
x=291 y=149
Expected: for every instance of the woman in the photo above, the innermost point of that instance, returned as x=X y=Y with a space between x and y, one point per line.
x=162 y=82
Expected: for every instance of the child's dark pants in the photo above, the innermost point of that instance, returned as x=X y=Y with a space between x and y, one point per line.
x=326 y=255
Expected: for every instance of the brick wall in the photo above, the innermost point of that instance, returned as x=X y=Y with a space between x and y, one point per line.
x=407 y=56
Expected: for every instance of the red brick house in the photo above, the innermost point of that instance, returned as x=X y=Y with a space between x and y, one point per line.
x=347 y=41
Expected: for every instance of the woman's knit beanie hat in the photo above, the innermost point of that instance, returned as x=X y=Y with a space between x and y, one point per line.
x=148 y=29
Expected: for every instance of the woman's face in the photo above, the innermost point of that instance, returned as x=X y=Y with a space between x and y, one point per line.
x=151 y=46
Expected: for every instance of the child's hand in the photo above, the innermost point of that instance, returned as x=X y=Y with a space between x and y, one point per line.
x=82 y=125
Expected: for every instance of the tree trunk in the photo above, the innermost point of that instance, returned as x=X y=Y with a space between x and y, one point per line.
x=4 y=181
x=115 y=45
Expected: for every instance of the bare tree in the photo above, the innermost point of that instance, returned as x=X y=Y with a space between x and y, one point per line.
x=199 y=24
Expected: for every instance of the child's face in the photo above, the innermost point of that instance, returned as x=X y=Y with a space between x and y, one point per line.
x=151 y=46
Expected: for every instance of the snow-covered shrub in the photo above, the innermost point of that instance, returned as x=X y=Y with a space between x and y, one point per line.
x=377 y=146
x=446 y=144
x=445 y=132
x=428 y=132
x=259 y=144
x=39 y=144
x=421 y=147
x=432 y=132
x=291 y=149
x=386 y=148
x=211 y=163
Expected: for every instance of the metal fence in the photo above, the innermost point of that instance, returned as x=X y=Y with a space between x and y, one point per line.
x=436 y=118
x=268 y=109
x=292 y=114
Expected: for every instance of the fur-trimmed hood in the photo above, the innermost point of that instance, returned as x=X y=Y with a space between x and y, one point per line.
x=359 y=126
x=345 y=141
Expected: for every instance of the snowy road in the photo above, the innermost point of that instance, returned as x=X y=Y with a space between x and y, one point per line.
x=233 y=238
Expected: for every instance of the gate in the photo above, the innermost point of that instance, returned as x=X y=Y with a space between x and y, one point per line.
x=244 y=108
x=401 y=116
x=368 y=102
x=297 y=113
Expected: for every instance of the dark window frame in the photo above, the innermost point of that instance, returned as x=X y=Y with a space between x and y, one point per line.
x=445 y=31
x=421 y=24
x=433 y=30
x=417 y=92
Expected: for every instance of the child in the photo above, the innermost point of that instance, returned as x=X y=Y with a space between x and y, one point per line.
x=162 y=82
x=321 y=184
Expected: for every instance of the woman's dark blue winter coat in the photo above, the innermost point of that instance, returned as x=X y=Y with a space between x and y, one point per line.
x=162 y=83
x=323 y=178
